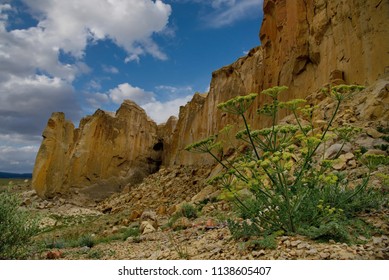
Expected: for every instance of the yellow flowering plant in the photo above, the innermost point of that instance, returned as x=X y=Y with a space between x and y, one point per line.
x=293 y=187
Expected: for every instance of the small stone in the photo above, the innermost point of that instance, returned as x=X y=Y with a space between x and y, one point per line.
x=287 y=243
x=151 y=217
x=54 y=255
x=348 y=156
x=299 y=253
x=324 y=255
x=258 y=253
x=295 y=243
x=302 y=245
x=27 y=202
x=210 y=224
x=203 y=194
x=312 y=251
x=283 y=238
x=114 y=230
x=340 y=163
x=147 y=227
x=352 y=163
x=134 y=215
x=377 y=240
x=373 y=133
x=125 y=222
x=216 y=250
x=335 y=148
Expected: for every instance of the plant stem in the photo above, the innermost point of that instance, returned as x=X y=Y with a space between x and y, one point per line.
x=226 y=167
x=251 y=140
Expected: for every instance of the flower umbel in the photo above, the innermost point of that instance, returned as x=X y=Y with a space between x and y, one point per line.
x=238 y=105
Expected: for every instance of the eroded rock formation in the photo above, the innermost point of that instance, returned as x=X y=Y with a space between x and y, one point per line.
x=106 y=149
x=305 y=44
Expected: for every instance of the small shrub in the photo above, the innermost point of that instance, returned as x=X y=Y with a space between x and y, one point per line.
x=86 y=240
x=95 y=254
x=131 y=232
x=54 y=243
x=332 y=230
x=243 y=230
x=267 y=242
x=188 y=211
x=17 y=227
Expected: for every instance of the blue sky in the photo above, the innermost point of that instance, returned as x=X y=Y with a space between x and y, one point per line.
x=76 y=56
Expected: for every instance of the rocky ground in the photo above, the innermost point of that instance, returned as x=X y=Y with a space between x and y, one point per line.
x=146 y=210
x=139 y=223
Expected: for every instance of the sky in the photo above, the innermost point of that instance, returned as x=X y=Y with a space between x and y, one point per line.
x=76 y=56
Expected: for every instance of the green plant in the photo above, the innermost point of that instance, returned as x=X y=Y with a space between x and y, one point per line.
x=266 y=242
x=188 y=211
x=86 y=240
x=95 y=254
x=293 y=186
x=182 y=251
x=131 y=232
x=17 y=227
x=54 y=243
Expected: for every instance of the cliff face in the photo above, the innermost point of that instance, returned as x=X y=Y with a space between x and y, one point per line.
x=305 y=45
x=104 y=146
x=305 y=40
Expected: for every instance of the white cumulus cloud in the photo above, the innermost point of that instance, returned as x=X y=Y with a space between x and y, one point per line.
x=127 y=91
x=34 y=81
x=158 y=110
x=161 y=111
x=70 y=24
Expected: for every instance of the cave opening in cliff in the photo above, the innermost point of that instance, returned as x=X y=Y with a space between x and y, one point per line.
x=159 y=146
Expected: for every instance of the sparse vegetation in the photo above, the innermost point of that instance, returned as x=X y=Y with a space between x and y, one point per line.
x=188 y=211
x=289 y=183
x=17 y=227
x=181 y=250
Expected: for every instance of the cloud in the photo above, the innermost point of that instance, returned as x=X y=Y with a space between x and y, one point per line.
x=110 y=69
x=221 y=13
x=167 y=92
x=96 y=100
x=172 y=97
x=161 y=111
x=228 y=12
x=71 y=24
x=127 y=91
x=34 y=81
x=17 y=159
x=27 y=103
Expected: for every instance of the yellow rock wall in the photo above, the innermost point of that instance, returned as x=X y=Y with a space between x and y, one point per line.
x=106 y=145
x=305 y=44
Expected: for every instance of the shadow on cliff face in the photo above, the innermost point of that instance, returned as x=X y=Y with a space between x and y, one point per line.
x=105 y=188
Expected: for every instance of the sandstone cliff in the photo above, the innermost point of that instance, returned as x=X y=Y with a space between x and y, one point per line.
x=106 y=146
x=305 y=45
